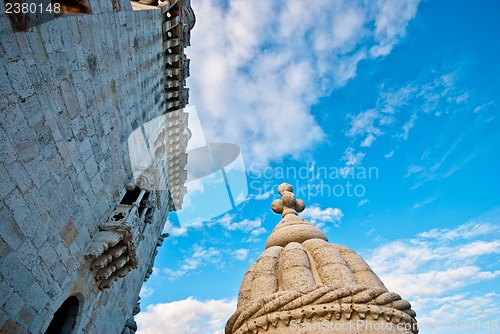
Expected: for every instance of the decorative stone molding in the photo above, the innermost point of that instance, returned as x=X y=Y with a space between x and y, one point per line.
x=177 y=157
x=158 y=157
x=112 y=251
x=179 y=20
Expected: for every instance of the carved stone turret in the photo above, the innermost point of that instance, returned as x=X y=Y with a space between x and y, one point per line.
x=303 y=284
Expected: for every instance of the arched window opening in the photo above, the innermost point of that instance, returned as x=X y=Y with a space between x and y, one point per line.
x=65 y=318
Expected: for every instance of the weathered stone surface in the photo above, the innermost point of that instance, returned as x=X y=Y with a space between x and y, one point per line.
x=303 y=284
x=72 y=92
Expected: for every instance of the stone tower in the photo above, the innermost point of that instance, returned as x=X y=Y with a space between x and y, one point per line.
x=303 y=284
x=93 y=142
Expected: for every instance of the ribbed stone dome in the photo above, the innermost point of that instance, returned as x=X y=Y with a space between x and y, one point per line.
x=301 y=277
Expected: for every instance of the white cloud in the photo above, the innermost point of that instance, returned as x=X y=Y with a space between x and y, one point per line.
x=389 y=155
x=320 y=217
x=240 y=254
x=435 y=269
x=174 y=231
x=188 y=316
x=390 y=23
x=273 y=61
x=479 y=248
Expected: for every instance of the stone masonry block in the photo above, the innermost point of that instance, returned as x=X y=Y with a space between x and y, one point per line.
x=38 y=170
x=5 y=86
x=91 y=168
x=10 y=230
x=15 y=273
x=11 y=327
x=9 y=153
x=17 y=205
x=19 y=78
x=32 y=108
x=56 y=167
x=26 y=144
x=85 y=149
x=20 y=176
x=38 y=47
x=7 y=184
x=28 y=253
x=4 y=248
x=26 y=315
x=69 y=232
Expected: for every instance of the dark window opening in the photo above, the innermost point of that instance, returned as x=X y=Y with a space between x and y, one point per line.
x=64 y=321
x=131 y=196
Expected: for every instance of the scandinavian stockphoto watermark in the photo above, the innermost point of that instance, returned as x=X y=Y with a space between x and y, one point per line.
x=310 y=181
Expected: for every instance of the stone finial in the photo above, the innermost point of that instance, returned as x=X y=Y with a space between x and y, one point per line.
x=288 y=204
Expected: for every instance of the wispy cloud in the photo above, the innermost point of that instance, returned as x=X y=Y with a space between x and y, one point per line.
x=272 y=62
x=425 y=202
x=363 y=202
x=229 y=223
x=397 y=109
x=437 y=165
x=199 y=257
x=351 y=158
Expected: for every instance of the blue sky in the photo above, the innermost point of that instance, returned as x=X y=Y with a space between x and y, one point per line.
x=408 y=90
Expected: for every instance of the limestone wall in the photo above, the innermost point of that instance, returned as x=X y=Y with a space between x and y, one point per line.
x=72 y=90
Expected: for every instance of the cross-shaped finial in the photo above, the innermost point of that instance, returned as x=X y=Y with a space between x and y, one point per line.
x=288 y=204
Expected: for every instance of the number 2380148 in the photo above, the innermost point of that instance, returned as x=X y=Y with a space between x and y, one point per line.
x=32 y=8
